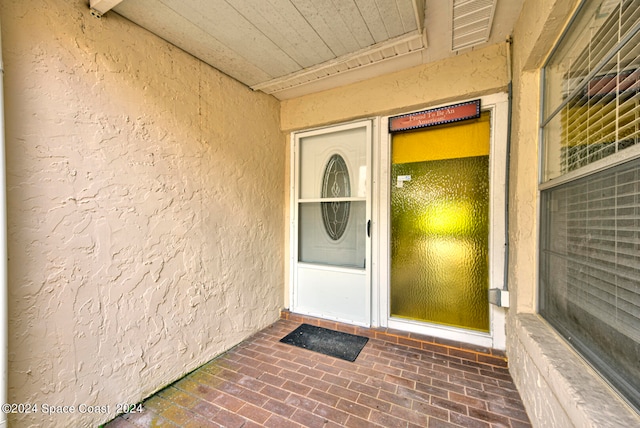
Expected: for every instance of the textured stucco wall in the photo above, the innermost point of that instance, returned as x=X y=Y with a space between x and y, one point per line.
x=474 y=73
x=532 y=40
x=145 y=195
x=539 y=26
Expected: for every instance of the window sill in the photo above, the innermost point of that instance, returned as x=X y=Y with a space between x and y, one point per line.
x=557 y=386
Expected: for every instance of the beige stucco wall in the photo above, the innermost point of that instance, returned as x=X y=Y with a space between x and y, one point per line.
x=145 y=195
x=539 y=26
x=467 y=75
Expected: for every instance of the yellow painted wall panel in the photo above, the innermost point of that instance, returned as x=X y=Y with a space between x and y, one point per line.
x=457 y=140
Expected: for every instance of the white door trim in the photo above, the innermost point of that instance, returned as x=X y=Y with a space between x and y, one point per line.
x=497 y=104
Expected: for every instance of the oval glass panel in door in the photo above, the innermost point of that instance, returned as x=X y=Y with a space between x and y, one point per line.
x=336 y=184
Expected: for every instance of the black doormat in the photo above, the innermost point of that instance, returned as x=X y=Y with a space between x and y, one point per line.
x=328 y=342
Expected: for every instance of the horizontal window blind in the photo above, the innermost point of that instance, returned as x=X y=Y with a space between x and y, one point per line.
x=597 y=233
x=590 y=269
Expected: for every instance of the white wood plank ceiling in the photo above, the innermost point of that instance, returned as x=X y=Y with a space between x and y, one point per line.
x=292 y=47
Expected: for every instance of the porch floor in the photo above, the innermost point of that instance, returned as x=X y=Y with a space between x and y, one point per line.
x=398 y=380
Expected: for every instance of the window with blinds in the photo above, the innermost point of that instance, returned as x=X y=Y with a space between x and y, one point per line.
x=591 y=88
x=590 y=190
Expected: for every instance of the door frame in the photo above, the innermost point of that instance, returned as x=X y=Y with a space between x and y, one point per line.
x=497 y=104
x=372 y=126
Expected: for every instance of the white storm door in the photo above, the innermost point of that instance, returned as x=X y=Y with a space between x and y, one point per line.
x=331 y=228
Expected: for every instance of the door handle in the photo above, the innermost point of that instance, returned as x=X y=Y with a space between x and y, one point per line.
x=369 y=229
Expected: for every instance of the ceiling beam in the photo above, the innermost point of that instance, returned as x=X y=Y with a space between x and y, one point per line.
x=386 y=51
x=418 y=11
x=103 y=6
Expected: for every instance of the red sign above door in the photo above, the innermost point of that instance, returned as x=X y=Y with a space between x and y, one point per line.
x=436 y=116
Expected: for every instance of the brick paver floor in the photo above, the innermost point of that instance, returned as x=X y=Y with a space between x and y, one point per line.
x=398 y=380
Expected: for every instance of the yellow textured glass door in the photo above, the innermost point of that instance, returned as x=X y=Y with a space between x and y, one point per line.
x=440 y=225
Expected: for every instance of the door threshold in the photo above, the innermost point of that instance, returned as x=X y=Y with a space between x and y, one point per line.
x=454 y=334
x=324 y=317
